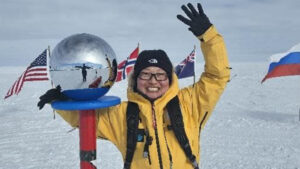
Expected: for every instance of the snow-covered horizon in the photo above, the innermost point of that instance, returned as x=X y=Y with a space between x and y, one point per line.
x=254 y=125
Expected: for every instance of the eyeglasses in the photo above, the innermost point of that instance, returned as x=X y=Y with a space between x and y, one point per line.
x=157 y=76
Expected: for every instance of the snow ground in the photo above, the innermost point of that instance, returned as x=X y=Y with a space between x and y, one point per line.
x=254 y=126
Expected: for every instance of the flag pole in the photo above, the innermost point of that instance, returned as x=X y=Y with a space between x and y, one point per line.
x=49 y=50
x=48 y=64
x=48 y=70
x=194 y=63
x=48 y=60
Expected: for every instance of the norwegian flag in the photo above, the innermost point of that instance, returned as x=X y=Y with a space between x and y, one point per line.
x=186 y=67
x=36 y=71
x=126 y=66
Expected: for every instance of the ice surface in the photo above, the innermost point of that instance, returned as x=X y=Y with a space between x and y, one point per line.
x=254 y=126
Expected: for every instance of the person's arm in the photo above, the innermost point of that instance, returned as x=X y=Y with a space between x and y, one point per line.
x=215 y=76
x=206 y=92
x=110 y=121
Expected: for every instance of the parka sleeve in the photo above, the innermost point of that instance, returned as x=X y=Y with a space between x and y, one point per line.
x=205 y=93
x=109 y=122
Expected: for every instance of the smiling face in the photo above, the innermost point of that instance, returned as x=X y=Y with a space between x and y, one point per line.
x=155 y=86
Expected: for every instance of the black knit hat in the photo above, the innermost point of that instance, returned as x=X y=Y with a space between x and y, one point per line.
x=156 y=58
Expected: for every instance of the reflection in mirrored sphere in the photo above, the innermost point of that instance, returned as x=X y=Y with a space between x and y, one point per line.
x=84 y=65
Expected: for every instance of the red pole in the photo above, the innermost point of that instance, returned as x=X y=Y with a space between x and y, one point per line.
x=87 y=134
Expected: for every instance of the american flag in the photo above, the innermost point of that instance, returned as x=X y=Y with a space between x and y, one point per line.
x=36 y=71
x=126 y=66
x=186 y=67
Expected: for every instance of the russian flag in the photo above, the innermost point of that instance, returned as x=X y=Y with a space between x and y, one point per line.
x=284 y=64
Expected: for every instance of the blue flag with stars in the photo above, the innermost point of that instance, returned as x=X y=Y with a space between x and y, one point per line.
x=186 y=67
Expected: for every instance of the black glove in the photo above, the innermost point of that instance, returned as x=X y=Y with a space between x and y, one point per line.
x=51 y=95
x=197 y=21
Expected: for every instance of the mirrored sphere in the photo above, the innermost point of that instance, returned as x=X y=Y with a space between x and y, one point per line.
x=84 y=65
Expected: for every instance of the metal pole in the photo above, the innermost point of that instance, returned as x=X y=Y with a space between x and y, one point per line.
x=87 y=125
x=87 y=136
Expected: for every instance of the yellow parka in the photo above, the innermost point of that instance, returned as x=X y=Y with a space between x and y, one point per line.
x=197 y=103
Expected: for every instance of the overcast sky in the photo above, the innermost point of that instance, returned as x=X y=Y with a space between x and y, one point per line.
x=253 y=29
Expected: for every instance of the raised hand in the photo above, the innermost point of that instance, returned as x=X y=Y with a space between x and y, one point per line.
x=197 y=21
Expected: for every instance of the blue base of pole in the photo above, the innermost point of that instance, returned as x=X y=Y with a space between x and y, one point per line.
x=102 y=102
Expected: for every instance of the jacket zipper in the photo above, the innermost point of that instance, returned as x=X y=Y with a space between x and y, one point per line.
x=156 y=137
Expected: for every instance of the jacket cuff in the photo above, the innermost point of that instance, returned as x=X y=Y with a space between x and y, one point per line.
x=209 y=34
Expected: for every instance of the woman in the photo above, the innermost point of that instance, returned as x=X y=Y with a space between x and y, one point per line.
x=162 y=106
